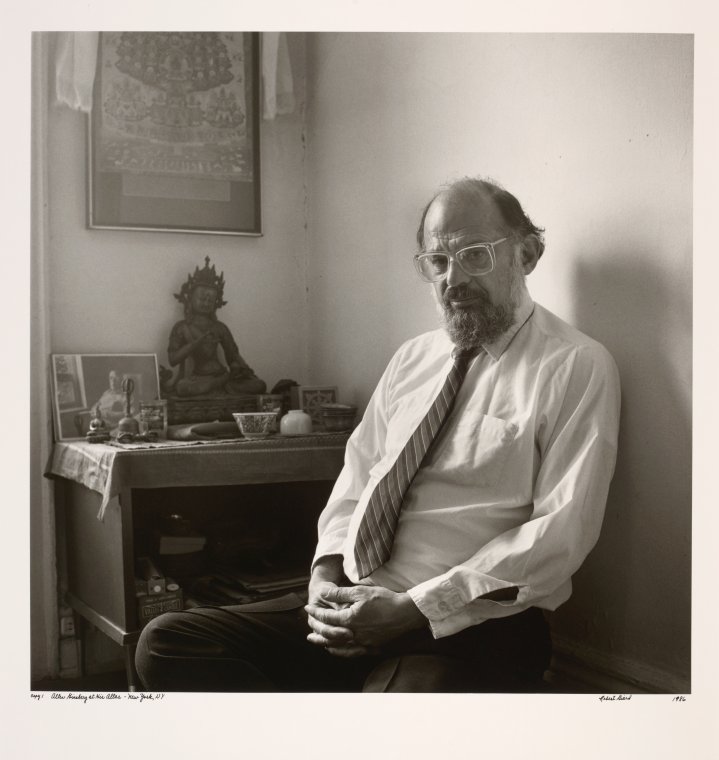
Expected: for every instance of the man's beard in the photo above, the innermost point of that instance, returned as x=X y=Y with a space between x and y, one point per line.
x=483 y=322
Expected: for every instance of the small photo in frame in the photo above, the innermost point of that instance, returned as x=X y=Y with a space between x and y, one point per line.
x=84 y=384
x=310 y=398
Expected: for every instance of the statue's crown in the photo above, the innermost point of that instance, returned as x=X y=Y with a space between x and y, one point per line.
x=206 y=276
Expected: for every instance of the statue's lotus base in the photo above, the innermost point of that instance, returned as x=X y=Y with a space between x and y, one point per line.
x=188 y=409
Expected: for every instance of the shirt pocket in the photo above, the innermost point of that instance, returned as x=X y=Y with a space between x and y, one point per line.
x=475 y=451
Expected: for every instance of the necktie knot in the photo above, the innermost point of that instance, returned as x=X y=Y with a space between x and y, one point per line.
x=465 y=354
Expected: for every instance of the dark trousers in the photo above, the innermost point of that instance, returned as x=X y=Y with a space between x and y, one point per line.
x=263 y=647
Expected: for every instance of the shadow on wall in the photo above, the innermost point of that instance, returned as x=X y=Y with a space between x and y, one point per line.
x=632 y=596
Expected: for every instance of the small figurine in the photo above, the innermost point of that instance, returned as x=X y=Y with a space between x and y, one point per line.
x=195 y=341
x=128 y=429
x=98 y=432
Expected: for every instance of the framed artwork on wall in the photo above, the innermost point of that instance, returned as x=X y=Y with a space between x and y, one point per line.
x=174 y=133
x=84 y=383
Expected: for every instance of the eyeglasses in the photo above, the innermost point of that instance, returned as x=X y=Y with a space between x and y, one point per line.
x=474 y=260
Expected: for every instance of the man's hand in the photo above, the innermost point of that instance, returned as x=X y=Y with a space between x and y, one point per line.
x=326 y=576
x=360 y=616
x=337 y=640
x=327 y=572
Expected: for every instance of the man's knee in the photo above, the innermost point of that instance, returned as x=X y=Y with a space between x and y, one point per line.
x=157 y=634
x=151 y=646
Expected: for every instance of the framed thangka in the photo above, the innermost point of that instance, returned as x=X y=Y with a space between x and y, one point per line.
x=174 y=133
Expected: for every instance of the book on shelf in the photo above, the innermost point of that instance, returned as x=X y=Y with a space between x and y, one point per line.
x=180 y=544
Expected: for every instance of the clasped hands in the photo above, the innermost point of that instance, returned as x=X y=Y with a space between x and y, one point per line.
x=350 y=621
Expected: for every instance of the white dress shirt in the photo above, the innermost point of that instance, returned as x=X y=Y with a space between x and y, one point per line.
x=513 y=490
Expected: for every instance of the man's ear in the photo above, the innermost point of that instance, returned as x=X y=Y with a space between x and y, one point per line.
x=532 y=249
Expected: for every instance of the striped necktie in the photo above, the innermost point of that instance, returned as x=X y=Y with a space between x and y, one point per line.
x=379 y=522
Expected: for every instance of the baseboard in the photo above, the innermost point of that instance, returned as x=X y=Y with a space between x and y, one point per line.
x=604 y=673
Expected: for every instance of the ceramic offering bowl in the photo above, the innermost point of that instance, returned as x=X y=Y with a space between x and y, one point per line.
x=255 y=424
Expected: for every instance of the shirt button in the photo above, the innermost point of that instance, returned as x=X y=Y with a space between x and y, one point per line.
x=443 y=606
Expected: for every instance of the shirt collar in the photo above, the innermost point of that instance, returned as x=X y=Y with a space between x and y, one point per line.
x=523 y=313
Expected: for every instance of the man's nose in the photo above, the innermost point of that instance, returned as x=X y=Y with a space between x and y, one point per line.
x=456 y=275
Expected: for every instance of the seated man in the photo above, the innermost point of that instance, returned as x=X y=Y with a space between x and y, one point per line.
x=472 y=490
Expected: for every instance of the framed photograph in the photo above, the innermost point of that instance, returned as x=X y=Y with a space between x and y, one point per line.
x=85 y=383
x=174 y=133
x=310 y=398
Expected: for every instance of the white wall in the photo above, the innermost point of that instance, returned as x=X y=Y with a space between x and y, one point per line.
x=593 y=134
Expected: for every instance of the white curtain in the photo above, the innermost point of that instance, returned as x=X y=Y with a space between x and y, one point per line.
x=75 y=60
x=76 y=57
x=277 y=86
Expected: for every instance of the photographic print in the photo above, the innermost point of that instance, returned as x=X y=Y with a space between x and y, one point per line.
x=85 y=384
x=559 y=481
x=174 y=137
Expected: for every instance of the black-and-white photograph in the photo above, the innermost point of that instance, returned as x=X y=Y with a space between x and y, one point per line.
x=423 y=428
x=103 y=387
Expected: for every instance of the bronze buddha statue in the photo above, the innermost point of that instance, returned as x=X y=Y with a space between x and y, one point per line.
x=195 y=341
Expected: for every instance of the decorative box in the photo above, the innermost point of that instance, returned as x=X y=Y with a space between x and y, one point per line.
x=310 y=398
x=151 y=605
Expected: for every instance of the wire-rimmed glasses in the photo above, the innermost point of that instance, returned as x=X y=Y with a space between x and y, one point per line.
x=474 y=260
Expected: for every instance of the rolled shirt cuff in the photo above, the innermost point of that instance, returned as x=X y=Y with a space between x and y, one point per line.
x=446 y=605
